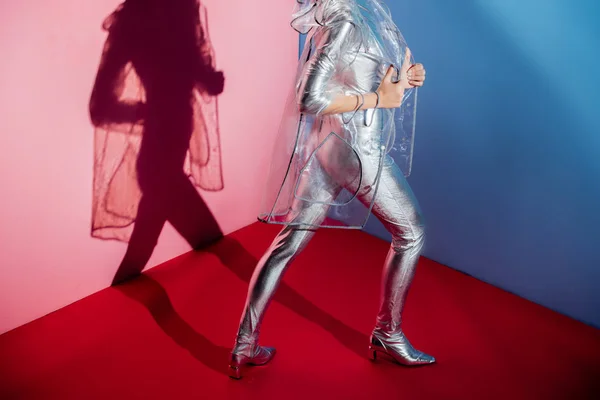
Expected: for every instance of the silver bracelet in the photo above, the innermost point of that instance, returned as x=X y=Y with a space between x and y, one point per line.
x=368 y=124
x=356 y=109
x=362 y=101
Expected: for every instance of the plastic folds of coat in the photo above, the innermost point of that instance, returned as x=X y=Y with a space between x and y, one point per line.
x=319 y=160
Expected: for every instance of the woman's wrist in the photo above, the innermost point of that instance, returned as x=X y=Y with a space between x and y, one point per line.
x=391 y=102
x=371 y=101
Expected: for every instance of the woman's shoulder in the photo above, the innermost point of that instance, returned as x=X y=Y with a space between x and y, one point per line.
x=337 y=12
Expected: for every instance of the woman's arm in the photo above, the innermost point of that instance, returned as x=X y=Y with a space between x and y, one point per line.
x=316 y=98
x=343 y=103
x=388 y=95
x=315 y=95
x=207 y=76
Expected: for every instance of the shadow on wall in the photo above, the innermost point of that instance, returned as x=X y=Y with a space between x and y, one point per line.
x=154 y=107
x=506 y=160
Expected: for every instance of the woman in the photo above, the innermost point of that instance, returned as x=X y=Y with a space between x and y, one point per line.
x=353 y=94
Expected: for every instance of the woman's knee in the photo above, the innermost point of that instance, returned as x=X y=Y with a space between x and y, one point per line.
x=409 y=236
x=291 y=241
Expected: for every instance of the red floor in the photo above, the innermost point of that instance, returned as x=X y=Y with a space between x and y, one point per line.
x=166 y=335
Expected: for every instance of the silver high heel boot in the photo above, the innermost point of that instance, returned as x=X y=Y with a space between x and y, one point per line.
x=398 y=273
x=258 y=356
x=398 y=347
x=264 y=282
x=246 y=352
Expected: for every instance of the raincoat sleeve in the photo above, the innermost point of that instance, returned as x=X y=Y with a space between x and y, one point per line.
x=316 y=90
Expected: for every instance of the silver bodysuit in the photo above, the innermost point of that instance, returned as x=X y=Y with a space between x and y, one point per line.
x=350 y=157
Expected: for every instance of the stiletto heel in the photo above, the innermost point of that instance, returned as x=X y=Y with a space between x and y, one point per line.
x=235 y=372
x=372 y=353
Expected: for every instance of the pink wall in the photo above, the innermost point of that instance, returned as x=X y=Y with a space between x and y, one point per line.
x=50 y=53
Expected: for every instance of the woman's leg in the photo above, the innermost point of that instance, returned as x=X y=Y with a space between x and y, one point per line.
x=397 y=208
x=265 y=280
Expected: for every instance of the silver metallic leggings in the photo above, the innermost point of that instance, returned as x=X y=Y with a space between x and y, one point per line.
x=395 y=206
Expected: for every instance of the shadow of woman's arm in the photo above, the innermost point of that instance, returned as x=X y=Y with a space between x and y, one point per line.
x=207 y=77
x=106 y=107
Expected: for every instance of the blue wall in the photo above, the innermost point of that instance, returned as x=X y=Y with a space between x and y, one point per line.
x=507 y=159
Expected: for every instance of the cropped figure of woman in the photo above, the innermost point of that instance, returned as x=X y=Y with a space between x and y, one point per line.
x=350 y=111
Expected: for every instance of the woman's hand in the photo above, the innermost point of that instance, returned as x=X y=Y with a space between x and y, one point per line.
x=411 y=75
x=416 y=75
x=390 y=92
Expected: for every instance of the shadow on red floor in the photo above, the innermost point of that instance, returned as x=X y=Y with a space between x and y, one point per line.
x=167 y=334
